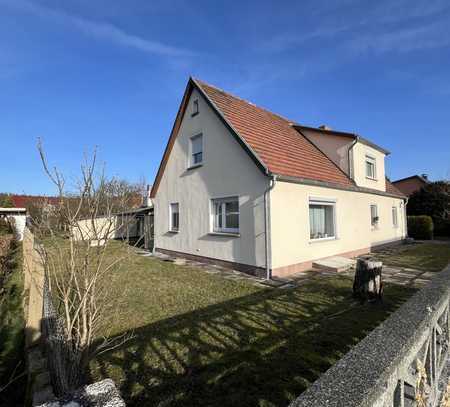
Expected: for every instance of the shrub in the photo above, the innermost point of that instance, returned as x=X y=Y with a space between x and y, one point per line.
x=6 y=201
x=442 y=227
x=12 y=324
x=433 y=200
x=420 y=227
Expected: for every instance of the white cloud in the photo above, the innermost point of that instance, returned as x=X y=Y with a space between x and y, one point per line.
x=389 y=17
x=286 y=41
x=435 y=35
x=105 y=31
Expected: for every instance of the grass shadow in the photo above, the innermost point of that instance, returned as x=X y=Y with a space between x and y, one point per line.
x=263 y=349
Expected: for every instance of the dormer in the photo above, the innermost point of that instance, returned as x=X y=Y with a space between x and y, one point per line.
x=360 y=159
x=367 y=165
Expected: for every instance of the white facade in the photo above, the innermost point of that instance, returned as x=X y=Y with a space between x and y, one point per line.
x=292 y=246
x=226 y=171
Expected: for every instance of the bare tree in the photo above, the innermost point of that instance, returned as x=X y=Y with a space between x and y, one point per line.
x=77 y=260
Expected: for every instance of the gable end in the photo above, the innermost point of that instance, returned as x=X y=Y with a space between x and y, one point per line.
x=176 y=126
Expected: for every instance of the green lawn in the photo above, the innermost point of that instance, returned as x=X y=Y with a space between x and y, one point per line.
x=202 y=340
x=420 y=256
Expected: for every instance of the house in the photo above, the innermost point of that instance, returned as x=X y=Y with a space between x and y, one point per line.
x=248 y=189
x=411 y=184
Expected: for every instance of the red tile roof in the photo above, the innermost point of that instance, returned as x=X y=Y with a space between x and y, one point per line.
x=392 y=189
x=281 y=148
x=22 y=201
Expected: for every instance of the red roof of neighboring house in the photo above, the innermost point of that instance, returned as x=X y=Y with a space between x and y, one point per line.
x=271 y=140
x=411 y=184
x=22 y=201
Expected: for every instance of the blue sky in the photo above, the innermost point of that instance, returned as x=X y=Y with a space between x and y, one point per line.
x=111 y=74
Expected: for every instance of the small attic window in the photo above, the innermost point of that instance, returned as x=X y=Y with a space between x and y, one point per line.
x=195 y=108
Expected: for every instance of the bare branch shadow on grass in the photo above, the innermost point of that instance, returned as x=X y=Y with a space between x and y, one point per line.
x=260 y=349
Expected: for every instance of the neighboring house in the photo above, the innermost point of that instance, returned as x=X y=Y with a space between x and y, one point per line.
x=246 y=188
x=411 y=184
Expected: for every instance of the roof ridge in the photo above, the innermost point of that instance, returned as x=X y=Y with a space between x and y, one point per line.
x=202 y=82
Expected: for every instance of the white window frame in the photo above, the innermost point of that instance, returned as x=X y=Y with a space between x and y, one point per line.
x=377 y=217
x=372 y=161
x=195 y=108
x=324 y=202
x=395 y=216
x=191 y=162
x=171 y=212
x=222 y=201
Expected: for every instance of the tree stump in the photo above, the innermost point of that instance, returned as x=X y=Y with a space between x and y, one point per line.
x=368 y=283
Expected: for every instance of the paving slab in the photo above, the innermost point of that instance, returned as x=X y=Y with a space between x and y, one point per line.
x=408 y=275
x=427 y=275
x=336 y=264
x=390 y=271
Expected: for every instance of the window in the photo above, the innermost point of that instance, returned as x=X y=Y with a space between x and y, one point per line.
x=322 y=224
x=196 y=150
x=174 y=217
x=394 y=217
x=226 y=215
x=195 y=107
x=374 y=215
x=371 y=170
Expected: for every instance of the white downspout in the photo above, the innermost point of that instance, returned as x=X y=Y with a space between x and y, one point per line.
x=267 y=226
x=350 y=159
x=405 y=217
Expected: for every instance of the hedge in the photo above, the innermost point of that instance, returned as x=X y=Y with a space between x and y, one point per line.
x=442 y=227
x=12 y=324
x=420 y=227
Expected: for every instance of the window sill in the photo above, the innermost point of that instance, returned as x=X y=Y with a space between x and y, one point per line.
x=194 y=114
x=322 y=239
x=173 y=231
x=372 y=179
x=192 y=167
x=225 y=234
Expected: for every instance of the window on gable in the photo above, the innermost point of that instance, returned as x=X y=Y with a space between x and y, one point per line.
x=174 y=225
x=195 y=110
x=196 y=148
x=226 y=215
x=394 y=217
x=371 y=169
x=322 y=223
x=374 y=219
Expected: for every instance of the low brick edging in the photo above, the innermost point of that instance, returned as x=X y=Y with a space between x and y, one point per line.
x=285 y=271
x=244 y=268
x=307 y=265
